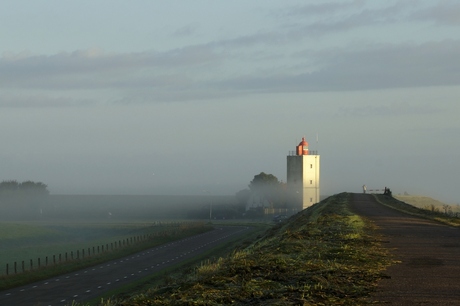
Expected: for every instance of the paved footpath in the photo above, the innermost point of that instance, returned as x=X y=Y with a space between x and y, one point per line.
x=92 y=282
x=429 y=272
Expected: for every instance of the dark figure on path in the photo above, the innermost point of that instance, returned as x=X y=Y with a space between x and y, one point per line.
x=387 y=191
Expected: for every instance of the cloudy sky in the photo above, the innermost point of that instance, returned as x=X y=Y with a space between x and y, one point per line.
x=196 y=97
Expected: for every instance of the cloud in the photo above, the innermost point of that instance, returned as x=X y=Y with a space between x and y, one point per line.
x=444 y=13
x=325 y=8
x=42 y=100
x=378 y=67
x=187 y=30
x=389 y=109
x=393 y=66
x=336 y=17
x=96 y=69
x=188 y=74
x=296 y=57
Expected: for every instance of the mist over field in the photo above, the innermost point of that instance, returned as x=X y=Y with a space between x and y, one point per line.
x=94 y=208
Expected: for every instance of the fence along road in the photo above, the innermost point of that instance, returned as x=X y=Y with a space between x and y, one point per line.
x=94 y=281
x=429 y=272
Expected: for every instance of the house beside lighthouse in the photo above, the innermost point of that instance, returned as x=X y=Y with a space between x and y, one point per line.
x=303 y=177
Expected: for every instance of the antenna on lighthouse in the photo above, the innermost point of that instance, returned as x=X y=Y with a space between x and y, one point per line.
x=317 y=140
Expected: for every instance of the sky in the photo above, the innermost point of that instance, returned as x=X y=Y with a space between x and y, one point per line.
x=197 y=97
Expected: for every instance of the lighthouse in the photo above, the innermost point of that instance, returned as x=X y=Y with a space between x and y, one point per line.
x=303 y=171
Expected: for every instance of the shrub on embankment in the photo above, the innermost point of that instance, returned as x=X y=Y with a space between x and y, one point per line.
x=321 y=256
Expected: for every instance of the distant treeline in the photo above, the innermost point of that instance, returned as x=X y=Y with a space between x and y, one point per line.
x=12 y=187
x=32 y=201
x=22 y=201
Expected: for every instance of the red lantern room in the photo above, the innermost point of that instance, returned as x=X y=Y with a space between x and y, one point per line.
x=302 y=148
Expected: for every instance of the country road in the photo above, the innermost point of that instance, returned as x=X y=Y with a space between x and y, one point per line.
x=92 y=282
x=429 y=272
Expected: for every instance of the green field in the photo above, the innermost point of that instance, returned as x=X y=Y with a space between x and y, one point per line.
x=25 y=241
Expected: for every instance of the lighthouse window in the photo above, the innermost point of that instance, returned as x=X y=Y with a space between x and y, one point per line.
x=311 y=199
x=311 y=182
x=311 y=166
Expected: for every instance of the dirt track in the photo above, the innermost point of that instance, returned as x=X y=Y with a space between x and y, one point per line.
x=429 y=272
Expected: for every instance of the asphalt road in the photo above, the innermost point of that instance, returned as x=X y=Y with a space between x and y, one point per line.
x=92 y=282
x=429 y=272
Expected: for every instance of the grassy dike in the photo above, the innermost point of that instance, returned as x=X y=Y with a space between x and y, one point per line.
x=416 y=211
x=324 y=255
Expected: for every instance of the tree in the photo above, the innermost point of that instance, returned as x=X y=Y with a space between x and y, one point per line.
x=14 y=188
x=268 y=188
x=446 y=208
x=22 y=201
x=263 y=182
x=9 y=187
x=32 y=188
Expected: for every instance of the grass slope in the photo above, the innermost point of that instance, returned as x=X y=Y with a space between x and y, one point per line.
x=321 y=256
x=435 y=215
x=425 y=202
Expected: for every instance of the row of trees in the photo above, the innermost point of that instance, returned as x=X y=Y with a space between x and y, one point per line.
x=22 y=201
x=13 y=187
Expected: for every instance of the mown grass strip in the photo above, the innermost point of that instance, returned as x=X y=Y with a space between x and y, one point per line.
x=184 y=268
x=42 y=273
x=415 y=211
x=324 y=255
x=37 y=241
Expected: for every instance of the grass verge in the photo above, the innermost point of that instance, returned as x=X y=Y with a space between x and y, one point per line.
x=321 y=256
x=183 y=269
x=27 y=277
x=415 y=211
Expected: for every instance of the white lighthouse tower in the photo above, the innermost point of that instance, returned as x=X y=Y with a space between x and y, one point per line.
x=303 y=177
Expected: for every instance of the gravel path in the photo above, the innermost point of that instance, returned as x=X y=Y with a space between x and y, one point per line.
x=429 y=272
